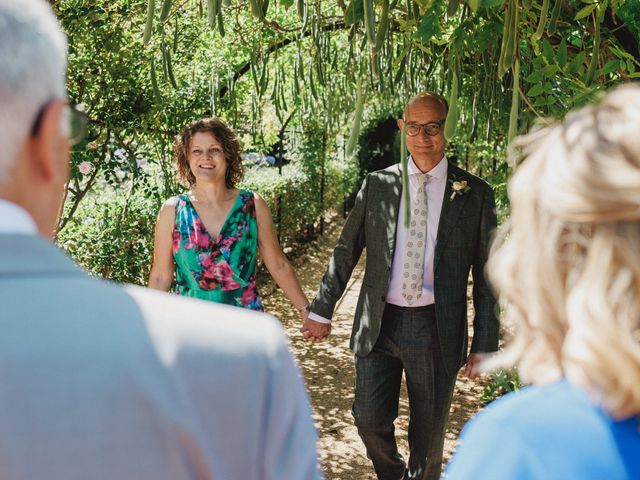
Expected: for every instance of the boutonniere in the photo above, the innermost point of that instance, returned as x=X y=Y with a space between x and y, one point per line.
x=459 y=187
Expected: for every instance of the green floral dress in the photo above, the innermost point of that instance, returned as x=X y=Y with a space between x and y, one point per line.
x=221 y=270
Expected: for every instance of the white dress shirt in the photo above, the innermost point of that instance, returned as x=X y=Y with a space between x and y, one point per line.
x=435 y=194
x=15 y=219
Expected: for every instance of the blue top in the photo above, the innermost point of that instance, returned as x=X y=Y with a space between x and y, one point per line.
x=545 y=433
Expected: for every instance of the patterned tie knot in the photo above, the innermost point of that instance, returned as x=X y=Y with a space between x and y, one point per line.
x=423 y=179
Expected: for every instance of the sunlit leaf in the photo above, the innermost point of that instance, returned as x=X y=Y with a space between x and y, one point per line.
x=534 y=77
x=535 y=90
x=585 y=11
x=548 y=51
x=562 y=53
x=359 y=12
x=610 y=66
x=575 y=64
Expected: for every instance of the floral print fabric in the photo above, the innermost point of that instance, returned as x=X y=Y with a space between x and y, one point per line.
x=223 y=269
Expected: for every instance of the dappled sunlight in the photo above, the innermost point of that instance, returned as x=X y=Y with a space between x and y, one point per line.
x=328 y=367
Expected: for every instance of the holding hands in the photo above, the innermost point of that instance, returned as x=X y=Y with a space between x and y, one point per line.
x=311 y=330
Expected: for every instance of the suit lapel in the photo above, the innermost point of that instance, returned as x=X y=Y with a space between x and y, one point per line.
x=394 y=194
x=451 y=209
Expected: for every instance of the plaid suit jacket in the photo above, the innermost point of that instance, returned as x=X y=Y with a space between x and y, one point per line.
x=466 y=225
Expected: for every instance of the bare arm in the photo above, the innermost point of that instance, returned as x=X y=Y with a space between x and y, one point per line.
x=163 y=267
x=274 y=259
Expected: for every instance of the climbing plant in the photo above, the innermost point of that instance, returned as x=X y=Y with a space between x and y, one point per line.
x=144 y=68
x=313 y=55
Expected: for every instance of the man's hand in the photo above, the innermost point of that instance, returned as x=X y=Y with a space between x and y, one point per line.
x=473 y=360
x=314 y=331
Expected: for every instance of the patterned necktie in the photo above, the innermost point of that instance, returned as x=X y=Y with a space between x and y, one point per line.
x=416 y=241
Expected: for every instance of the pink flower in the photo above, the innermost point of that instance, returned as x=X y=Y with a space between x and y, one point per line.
x=224 y=276
x=176 y=242
x=249 y=295
x=85 y=168
x=208 y=278
x=228 y=242
x=249 y=206
x=207 y=284
x=208 y=263
x=199 y=238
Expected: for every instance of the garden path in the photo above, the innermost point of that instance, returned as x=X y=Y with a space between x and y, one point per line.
x=329 y=372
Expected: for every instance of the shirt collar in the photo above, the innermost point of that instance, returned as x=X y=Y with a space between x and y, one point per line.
x=15 y=219
x=439 y=171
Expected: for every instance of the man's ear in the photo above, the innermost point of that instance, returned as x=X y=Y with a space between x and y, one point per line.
x=400 y=123
x=46 y=142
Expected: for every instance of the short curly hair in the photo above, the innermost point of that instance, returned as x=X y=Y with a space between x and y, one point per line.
x=230 y=145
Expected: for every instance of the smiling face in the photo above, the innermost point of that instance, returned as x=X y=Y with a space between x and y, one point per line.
x=206 y=158
x=426 y=150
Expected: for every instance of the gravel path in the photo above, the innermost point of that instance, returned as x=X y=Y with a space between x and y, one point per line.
x=329 y=372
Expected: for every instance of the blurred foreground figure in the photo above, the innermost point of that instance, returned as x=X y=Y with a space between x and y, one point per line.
x=568 y=273
x=101 y=382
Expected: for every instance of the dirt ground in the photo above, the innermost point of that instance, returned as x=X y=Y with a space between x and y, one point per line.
x=329 y=372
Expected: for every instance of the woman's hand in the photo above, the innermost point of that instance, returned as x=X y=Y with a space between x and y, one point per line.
x=314 y=331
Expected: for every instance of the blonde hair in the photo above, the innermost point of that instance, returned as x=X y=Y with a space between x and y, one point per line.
x=567 y=265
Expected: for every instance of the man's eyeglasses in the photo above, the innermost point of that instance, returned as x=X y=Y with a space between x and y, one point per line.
x=74 y=115
x=431 y=128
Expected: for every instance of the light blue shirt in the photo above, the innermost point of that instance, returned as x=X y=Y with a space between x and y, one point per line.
x=547 y=433
x=102 y=382
x=15 y=219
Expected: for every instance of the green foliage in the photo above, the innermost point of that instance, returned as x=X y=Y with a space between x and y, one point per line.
x=143 y=73
x=430 y=25
x=379 y=145
x=330 y=178
x=629 y=13
x=112 y=235
x=293 y=197
x=502 y=382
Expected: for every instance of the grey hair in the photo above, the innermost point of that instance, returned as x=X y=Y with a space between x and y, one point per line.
x=32 y=71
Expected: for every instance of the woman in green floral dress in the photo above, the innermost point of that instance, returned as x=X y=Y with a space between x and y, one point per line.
x=209 y=237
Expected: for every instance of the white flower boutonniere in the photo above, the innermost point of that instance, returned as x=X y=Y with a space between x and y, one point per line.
x=459 y=187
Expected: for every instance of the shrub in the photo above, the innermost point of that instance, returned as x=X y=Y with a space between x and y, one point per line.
x=294 y=197
x=502 y=382
x=111 y=233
